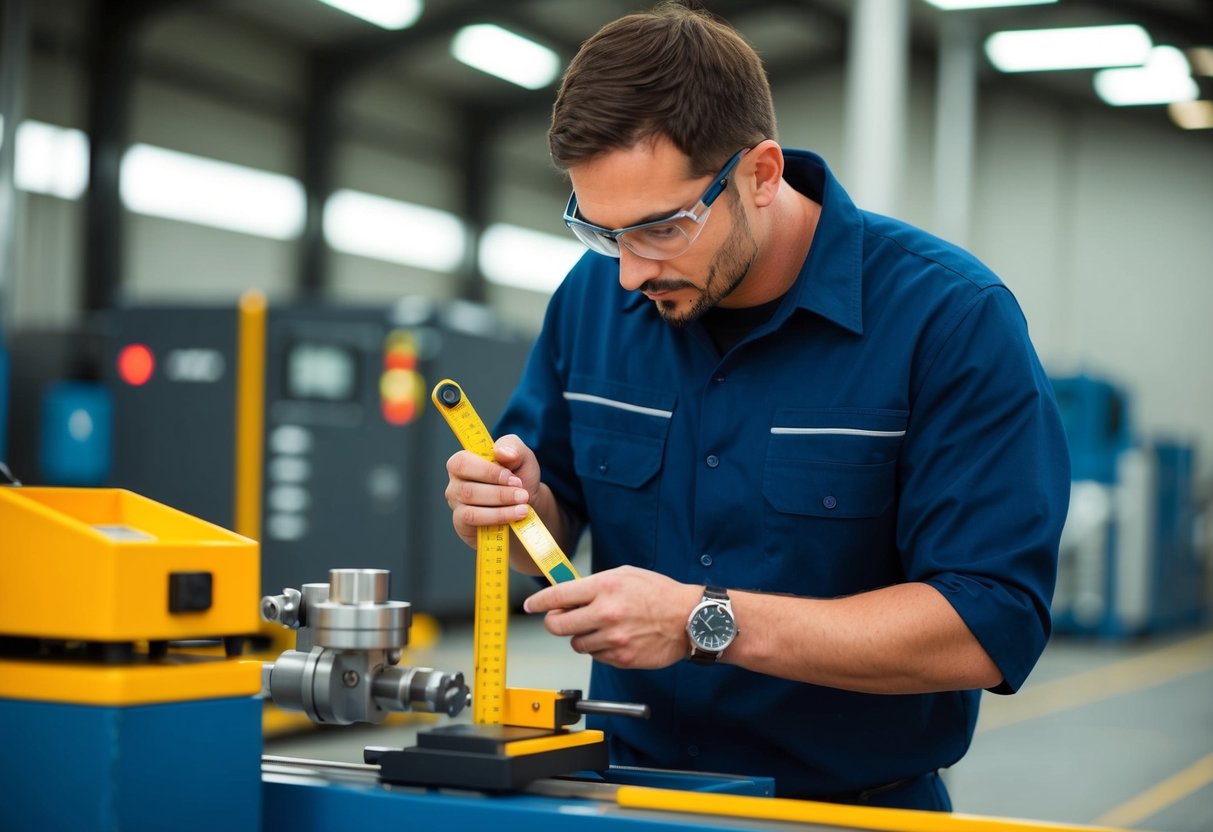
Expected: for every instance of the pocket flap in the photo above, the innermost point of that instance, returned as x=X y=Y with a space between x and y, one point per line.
x=619 y=458
x=827 y=489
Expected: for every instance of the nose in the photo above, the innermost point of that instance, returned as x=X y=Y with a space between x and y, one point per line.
x=634 y=270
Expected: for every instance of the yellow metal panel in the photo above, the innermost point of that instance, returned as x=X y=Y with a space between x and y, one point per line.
x=553 y=743
x=66 y=577
x=250 y=413
x=172 y=679
x=829 y=814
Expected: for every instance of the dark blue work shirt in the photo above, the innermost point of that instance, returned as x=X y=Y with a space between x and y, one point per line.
x=890 y=423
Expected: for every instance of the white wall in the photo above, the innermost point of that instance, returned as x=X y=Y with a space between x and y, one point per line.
x=1100 y=224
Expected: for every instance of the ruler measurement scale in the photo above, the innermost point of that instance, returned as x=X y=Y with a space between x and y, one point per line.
x=492 y=562
x=490 y=627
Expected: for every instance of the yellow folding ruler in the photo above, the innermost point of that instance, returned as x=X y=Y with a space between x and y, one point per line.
x=493 y=562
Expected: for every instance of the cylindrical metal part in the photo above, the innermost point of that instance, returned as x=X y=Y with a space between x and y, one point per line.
x=318 y=683
x=598 y=706
x=361 y=626
x=287 y=681
x=358 y=586
x=420 y=689
x=313 y=594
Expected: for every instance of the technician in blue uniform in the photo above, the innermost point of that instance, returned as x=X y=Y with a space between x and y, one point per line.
x=821 y=465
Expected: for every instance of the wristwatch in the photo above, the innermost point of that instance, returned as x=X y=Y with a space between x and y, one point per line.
x=711 y=626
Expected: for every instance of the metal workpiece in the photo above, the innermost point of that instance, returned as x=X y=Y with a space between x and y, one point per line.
x=420 y=689
x=349 y=638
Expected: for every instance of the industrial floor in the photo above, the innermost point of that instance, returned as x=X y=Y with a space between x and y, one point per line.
x=1111 y=733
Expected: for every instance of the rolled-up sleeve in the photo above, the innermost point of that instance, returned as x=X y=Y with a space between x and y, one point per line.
x=985 y=480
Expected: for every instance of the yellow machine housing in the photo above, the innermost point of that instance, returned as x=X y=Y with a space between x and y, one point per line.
x=101 y=564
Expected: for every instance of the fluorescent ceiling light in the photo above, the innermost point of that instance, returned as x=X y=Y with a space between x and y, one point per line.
x=181 y=186
x=515 y=256
x=399 y=232
x=1164 y=79
x=956 y=5
x=1082 y=47
x=1192 y=115
x=51 y=160
x=511 y=57
x=388 y=14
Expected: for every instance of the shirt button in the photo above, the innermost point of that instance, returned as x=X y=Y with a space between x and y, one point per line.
x=692 y=751
x=706 y=560
x=712 y=460
x=829 y=502
x=603 y=467
x=719 y=377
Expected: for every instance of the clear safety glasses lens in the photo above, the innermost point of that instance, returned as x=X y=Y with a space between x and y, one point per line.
x=594 y=241
x=664 y=241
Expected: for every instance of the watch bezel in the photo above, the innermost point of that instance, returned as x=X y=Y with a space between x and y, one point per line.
x=721 y=600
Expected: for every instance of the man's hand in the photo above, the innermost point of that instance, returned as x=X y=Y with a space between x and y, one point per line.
x=625 y=617
x=483 y=493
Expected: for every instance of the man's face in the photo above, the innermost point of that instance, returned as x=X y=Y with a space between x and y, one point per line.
x=649 y=182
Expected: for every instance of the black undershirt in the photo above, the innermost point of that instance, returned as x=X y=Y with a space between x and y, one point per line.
x=727 y=327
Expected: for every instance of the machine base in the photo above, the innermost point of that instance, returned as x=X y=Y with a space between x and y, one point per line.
x=489 y=757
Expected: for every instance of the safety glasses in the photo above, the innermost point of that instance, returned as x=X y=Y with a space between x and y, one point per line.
x=657 y=240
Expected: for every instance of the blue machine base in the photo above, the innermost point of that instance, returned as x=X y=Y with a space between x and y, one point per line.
x=315 y=805
x=182 y=766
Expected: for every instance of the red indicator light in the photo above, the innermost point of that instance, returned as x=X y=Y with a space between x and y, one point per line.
x=400 y=360
x=399 y=412
x=136 y=364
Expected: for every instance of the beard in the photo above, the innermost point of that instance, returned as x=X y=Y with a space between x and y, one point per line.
x=725 y=273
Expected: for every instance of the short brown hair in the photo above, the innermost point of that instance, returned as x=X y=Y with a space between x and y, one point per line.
x=675 y=71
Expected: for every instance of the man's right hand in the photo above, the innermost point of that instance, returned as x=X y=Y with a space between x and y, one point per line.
x=483 y=493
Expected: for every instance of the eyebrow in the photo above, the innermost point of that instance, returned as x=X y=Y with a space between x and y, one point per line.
x=661 y=215
x=651 y=217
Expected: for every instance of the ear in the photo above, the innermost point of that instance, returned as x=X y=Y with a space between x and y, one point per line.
x=765 y=165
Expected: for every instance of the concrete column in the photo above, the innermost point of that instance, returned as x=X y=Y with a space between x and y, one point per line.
x=878 y=73
x=955 y=129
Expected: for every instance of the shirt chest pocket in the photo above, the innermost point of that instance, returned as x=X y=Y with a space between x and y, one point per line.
x=618 y=436
x=833 y=463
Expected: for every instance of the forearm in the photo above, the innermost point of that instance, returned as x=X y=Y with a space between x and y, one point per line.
x=899 y=639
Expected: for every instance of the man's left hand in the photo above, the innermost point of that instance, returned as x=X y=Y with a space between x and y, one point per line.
x=625 y=617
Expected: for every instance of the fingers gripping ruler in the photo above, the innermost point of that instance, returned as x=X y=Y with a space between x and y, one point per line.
x=492 y=563
x=454 y=406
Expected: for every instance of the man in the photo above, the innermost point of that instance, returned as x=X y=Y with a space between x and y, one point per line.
x=820 y=436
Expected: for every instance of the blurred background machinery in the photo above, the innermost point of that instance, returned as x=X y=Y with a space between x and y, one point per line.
x=341 y=454
x=1131 y=561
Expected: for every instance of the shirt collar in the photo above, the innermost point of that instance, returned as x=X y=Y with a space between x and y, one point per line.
x=830 y=283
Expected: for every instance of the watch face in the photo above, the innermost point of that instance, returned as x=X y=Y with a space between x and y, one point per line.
x=712 y=627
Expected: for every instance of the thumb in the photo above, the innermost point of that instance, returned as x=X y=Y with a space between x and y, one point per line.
x=507 y=453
